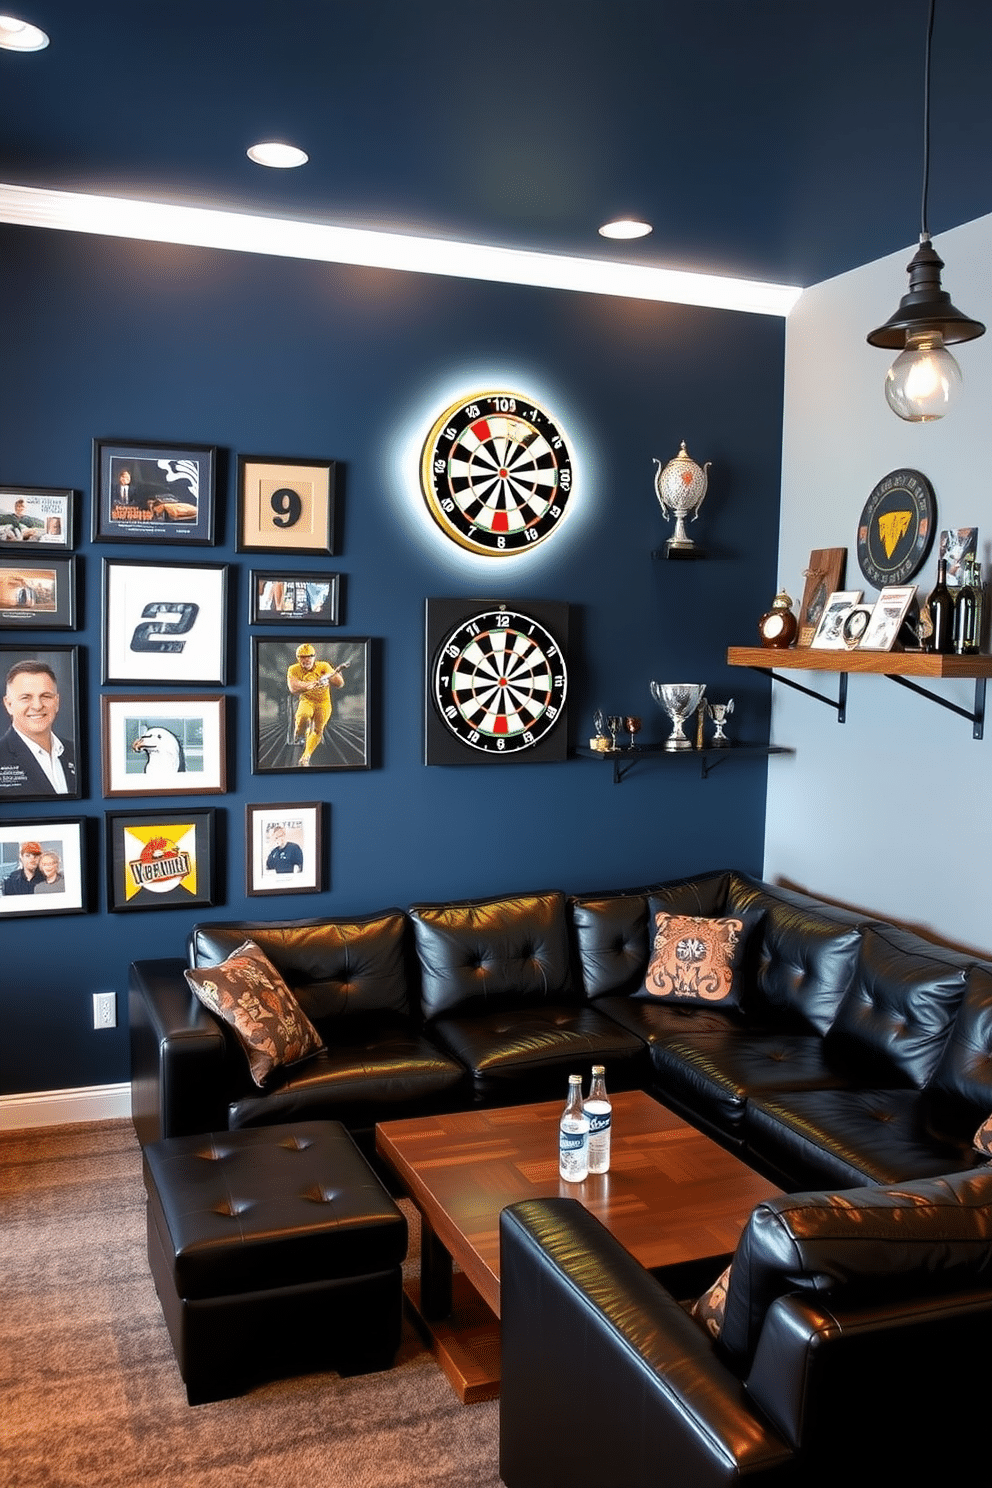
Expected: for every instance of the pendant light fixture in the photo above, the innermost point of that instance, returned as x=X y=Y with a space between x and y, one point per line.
x=922 y=382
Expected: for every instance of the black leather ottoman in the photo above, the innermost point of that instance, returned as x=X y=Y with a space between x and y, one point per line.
x=275 y=1251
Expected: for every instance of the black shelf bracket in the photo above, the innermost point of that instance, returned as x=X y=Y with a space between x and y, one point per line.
x=976 y=719
x=839 y=702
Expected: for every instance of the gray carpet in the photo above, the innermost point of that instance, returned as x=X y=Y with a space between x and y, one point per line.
x=90 y=1390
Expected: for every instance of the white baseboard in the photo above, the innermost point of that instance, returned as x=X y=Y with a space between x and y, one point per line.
x=64 y=1107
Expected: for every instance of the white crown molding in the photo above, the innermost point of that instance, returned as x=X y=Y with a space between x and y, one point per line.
x=203 y=227
x=64 y=1107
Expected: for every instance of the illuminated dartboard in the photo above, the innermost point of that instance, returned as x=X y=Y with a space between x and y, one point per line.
x=497 y=473
x=497 y=685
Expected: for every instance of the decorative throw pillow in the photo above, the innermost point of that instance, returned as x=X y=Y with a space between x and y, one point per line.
x=711 y=1306
x=247 y=992
x=693 y=960
x=983 y=1139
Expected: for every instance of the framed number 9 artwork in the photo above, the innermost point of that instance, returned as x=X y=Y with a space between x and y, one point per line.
x=164 y=623
x=285 y=506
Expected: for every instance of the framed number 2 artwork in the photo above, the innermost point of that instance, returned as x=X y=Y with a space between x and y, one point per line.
x=164 y=623
x=285 y=506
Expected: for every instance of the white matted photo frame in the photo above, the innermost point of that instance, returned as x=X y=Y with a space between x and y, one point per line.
x=37 y=591
x=164 y=745
x=38 y=516
x=43 y=866
x=829 y=634
x=154 y=493
x=160 y=859
x=284 y=848
x=891 y=609
x=277 y=597
x=285 y=505
x=164 y=622
x=39 y=751
x=310 y=703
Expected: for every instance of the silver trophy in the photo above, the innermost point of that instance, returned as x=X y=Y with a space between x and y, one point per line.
x=679 y=700
x=680 y=488
x=720 y=712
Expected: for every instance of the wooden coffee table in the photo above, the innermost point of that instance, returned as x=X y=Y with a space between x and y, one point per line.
x=672 y=1195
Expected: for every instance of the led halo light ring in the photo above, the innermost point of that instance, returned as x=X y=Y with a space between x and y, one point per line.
x=21 y=36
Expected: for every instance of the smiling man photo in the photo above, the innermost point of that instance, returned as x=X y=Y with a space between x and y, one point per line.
x=34 y=761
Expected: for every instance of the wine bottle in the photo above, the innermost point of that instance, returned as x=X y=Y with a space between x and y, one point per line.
x=966 y=616
x=941 y=607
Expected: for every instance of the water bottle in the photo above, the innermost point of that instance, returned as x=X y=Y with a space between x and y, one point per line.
x=600 y=1114
x=573 y=1135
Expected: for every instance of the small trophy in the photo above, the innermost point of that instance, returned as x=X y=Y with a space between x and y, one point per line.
x=599 y=742
x=679 y=700
x=680 y=488
x=720 y=712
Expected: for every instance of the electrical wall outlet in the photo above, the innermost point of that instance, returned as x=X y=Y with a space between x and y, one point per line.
x=104 y=1009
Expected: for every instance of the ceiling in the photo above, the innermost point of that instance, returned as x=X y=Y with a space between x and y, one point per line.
x=772 y=139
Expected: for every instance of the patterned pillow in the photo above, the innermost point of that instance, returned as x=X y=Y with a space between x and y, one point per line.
x=247 y=992
x=711 y=1306
x=693 y=960
x=983 y=1139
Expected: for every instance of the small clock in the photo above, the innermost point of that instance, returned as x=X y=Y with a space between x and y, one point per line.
x=497 y=681
x=896 y=528
x=496 y=472
x=777 y=627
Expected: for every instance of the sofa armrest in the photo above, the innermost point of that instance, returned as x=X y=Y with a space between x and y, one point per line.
x=605 y=1379
x=179 y=1063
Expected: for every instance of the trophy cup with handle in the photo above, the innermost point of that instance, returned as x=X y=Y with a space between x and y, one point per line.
x=680 y=488
x=679 y=700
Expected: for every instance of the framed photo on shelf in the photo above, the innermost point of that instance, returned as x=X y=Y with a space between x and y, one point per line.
x=38 y=516
x=160 y=859
x=41 y=699
x=891 y=609
x=829 y=633
x=281 y=598
x=285 y=506
x=958 y=548
x=164 y=623
x=157 y=493
x=37 y=591
x=164 y=745
x=42 y=866
x=310 y=704
x=824 y=577
x=283 y=848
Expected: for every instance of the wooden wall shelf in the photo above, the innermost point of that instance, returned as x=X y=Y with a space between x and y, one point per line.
x=898 y=666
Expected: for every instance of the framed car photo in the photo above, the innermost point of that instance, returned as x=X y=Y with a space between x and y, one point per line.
x=281 y=598
x=285 y=506
x=164 y=623
x=156 y=493
x=164 y=745
x=310 y=704
x=283 y=848
x=160 y=859
x=39 y=752
x=37 y=591
x=42 y=866
x=37 y=516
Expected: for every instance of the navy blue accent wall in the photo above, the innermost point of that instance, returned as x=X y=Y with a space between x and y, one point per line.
x=268 y=356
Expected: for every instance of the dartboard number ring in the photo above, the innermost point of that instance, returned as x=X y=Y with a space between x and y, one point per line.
x=499 y=681
x=497 y=473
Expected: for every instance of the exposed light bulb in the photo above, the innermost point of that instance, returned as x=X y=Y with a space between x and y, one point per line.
x=924 y=380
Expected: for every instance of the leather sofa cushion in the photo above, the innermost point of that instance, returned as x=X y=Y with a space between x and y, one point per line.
x=611 y=936
x=657 y=1022
x=923 y=1238
x=492 y=952
x=702 y=894
x=964 y=1074
x=335 y=968
x=894 y=1021
x=805 y=957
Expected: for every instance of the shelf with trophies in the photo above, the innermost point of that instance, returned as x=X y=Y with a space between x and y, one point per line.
x=685 y=704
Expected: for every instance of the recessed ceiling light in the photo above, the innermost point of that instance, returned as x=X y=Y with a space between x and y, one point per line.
x=625 y=227
x=18 y=36
x=279 y=156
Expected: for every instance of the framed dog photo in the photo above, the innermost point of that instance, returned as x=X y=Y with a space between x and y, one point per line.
x=160 y=859
x=164 y=745
x=42 y=867
x=37 y=591
x=283 y=848
x=160 y=493
x=310 y=704
x=285 y=506
x=39 y=757
x=37 y=516
x=164 y=623
x=281 y=598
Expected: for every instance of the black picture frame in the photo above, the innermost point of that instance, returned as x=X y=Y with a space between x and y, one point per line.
x=154 y=492
x=38 y=517
x=164 y=623
x=278 y=597
x=285 y=505
x=292 y=863
x=21 y=777
x=60 y=837
x=37 y=591
x=164 y=859
x=344 y=738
